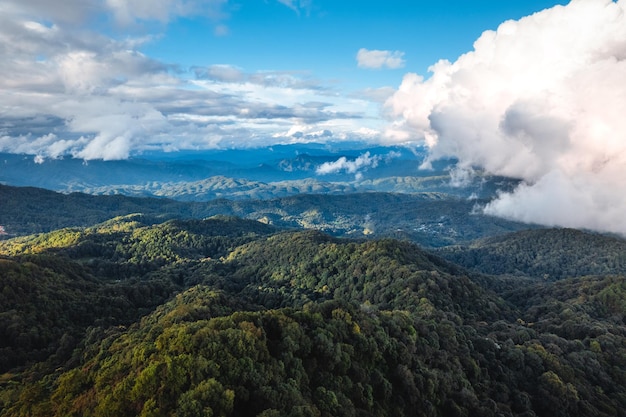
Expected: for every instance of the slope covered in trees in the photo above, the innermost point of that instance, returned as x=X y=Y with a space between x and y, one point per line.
x=430 y=219
x=270 y=323
x=27 y=210
x=545 y=253
x=56 y=284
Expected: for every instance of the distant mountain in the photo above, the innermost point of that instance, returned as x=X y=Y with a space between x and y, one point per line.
x=224 y=187
x=262 y=173
x=277 y=163
x=242 y=189
x=70 y=174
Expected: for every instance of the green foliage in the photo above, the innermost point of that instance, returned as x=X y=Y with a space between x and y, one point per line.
x=47 y=302
x=549 y=254
x=59 y=283
x=291 y=269
x=429 y=218
x=132 y=245
x=226 y=317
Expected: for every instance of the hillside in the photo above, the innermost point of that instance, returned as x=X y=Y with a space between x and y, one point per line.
x=223 y=187
x=430 y=219
x=544 y=253
x=269 y=323
x=27 y=210
x=58 y=284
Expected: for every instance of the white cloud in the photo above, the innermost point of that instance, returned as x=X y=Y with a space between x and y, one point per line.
x=124 y=12
x=541 y=99
x=226 y=73
x=377 y=59
x=557 y=199
x=379 y=95
x=67 y=11
x=361 y=163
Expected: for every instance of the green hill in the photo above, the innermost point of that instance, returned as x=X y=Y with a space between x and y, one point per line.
x=224 y=316
x=57 y=284
x=544 y=253
x=430 y=219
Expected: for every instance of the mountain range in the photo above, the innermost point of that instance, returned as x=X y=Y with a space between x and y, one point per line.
x=297 y=281
x=263 y=173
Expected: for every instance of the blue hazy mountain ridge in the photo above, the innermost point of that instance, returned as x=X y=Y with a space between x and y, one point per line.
x=269 y=172
x=275 y=163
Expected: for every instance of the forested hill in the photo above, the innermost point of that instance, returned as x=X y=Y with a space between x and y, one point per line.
x=57 y=284
x=27 y=210
x=545 y=253
x=430 y=219
x=232 y=317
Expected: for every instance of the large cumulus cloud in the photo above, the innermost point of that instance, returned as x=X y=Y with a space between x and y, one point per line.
x=542 y=99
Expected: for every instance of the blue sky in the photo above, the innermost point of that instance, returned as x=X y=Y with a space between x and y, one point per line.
x=109 y=79
x=321 y=38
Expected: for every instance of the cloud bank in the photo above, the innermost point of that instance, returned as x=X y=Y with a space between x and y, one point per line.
x=542 y=99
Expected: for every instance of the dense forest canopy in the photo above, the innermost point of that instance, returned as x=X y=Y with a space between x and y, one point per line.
x=546 y=253
x=139 y=315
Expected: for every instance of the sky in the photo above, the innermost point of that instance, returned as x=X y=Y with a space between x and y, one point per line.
x=108 y=79
x=529 y=89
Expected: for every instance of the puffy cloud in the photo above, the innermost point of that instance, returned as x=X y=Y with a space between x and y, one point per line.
x=541 y=99
x=361 y=163
x=558 y=199
x=377 y=59
x=305 y=133
x=461 y=177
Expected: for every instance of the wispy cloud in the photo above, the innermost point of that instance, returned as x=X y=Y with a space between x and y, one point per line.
x=130 y=11
x=285 y=79
x=298 y=5
x=542 y=99
x=379 y=95
x=377 y=59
